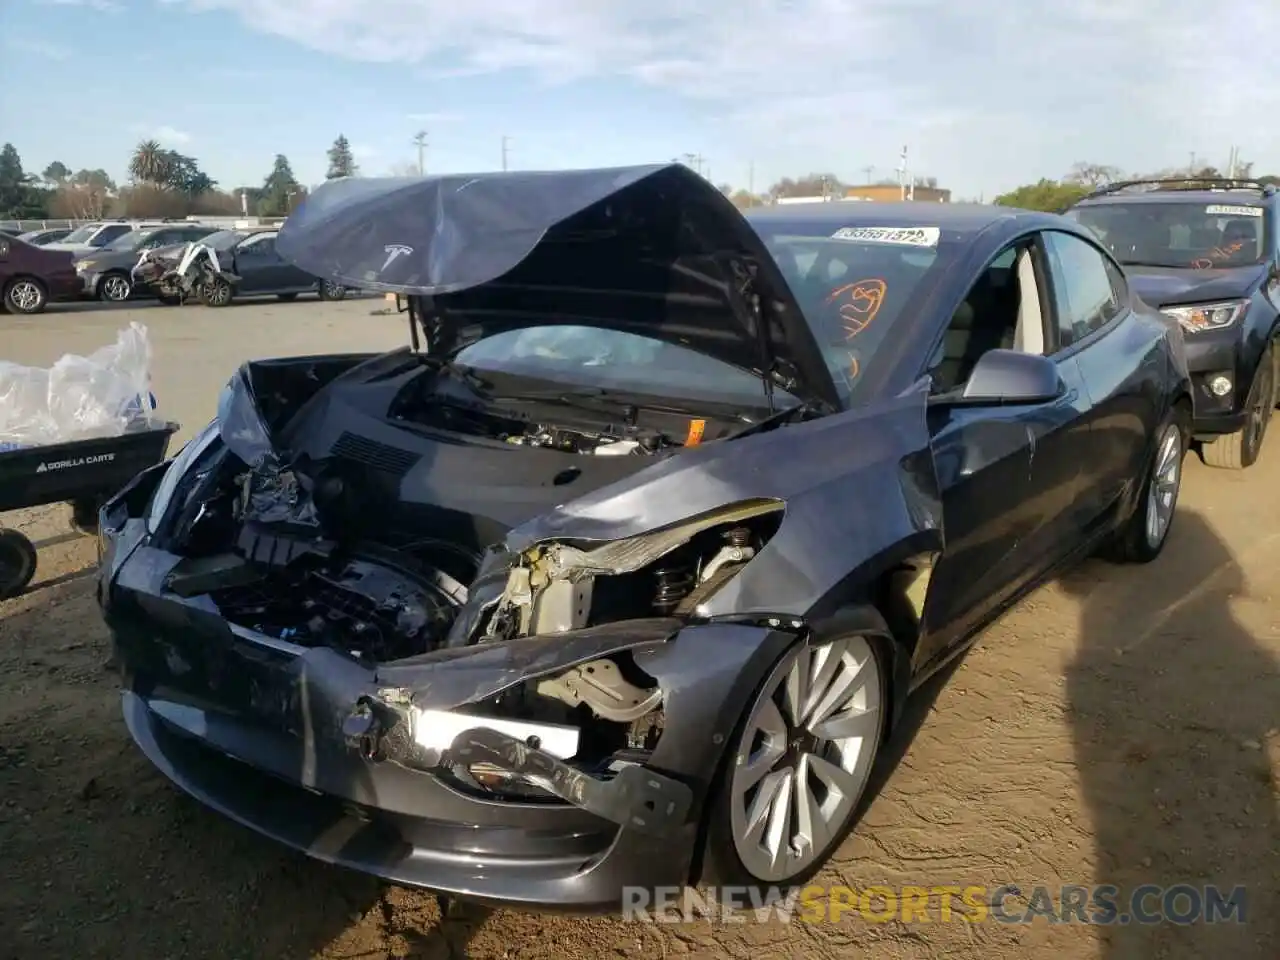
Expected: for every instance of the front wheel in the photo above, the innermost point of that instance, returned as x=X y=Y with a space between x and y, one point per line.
x=216 y=293
x=332 y=291
x=1239 y=450
x=115 y=288
x=25 y=295
x=798 y=764
x=1144 y=535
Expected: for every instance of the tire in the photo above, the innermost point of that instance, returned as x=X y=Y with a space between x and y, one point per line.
x=17 y=563
x=1239 y=450
x=1145 y=533
x=25 y=295
x=115 y=287
x=332 y=291
x=731 y=856
x=216 y=293
x=287 y=297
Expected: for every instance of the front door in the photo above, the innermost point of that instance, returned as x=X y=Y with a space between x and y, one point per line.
x=1007 y=472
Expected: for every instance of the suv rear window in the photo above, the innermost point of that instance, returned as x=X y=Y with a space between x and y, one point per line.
x=1179 y=233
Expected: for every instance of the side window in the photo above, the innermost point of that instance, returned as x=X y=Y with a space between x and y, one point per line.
x=1084 y=289
x=109 y=233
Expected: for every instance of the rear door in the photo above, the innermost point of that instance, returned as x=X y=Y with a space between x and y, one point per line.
x=1007 y=472
x=1121 y=362
x=259 y=266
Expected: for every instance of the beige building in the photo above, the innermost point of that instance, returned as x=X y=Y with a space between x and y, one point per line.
x=891 y=191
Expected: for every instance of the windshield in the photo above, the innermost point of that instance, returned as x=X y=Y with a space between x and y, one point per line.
x=129 y=241
x=82 y=234
x=223 y=239
x=580 y=356
x=1178 y=233
x=855 y=285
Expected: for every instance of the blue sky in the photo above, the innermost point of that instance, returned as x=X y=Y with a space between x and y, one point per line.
x=987 y=94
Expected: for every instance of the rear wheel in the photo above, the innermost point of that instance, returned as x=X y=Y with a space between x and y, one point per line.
x=17 y=563
x=115 y=288
x=1142 y=538
x=798 y=764
x=1239 y=450
x=25 y=295
x=332 y=291
x=216 y=293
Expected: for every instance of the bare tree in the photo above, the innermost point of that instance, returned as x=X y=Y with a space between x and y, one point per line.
x=1092 y=175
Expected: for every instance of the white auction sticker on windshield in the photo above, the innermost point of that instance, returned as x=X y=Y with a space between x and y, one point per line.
x=903 y=236
x=1226 y=210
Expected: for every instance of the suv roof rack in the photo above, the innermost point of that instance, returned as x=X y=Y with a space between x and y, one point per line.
x=1183 y=183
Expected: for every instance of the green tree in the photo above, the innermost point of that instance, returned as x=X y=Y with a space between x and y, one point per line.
x=183 y=174
x=281 y=191
x=342 y=162
x=19 y=195
x=812 y=185
x=149 y=163
x=1049 y=195
x=56 y=173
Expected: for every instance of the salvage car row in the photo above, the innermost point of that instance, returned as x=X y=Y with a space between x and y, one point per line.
x=623 y=573
x=118 y=261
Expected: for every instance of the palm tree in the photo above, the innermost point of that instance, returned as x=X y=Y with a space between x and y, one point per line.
x=149 y=163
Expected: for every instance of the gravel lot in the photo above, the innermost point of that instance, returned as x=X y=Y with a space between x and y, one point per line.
x=1119 y=727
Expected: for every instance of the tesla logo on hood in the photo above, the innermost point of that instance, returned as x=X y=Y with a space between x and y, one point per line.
x=394 y=252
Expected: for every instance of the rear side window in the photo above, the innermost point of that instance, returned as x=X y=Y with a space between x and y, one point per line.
x=1088 y=291
x=109 y=233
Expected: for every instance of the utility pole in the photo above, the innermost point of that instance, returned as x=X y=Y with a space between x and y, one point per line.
x=420 y=141
x=1191 y=168
x=867 y=172
x=751 y=181
x=505 y=141
x=694 y=160
x=902 y=173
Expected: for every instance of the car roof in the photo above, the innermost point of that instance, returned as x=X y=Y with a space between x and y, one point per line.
x=1250 y=198
x=955 y=218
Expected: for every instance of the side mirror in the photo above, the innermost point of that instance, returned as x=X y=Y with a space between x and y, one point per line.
x=1012 y=377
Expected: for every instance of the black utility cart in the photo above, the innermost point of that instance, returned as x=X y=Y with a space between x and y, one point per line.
x=84 y=473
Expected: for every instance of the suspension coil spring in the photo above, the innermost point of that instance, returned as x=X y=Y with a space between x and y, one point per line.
x=673 y=584
x=738 y=537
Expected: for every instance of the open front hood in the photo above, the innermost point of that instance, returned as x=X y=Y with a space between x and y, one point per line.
x=652 y=250
x=1166 y=286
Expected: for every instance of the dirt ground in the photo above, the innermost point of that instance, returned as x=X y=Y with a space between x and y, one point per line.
x=1120 y=726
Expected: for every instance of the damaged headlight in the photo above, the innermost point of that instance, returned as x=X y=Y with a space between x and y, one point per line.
x=178 y=468
x=671 y=571
x=242 y=427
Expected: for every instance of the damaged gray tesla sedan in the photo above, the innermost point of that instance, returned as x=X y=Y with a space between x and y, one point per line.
x=622 y=573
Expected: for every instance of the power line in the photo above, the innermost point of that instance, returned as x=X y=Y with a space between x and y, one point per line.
x=420 y=140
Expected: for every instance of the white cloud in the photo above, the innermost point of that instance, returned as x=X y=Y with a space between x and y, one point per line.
x=102 y=6
x=979 y=84
x=441 y=117
x=164 y=134
x=38 y=48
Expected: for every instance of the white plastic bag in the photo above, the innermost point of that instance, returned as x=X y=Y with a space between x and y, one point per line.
x=105 y=394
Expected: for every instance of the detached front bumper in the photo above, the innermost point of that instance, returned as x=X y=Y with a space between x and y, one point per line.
x=278 y=738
